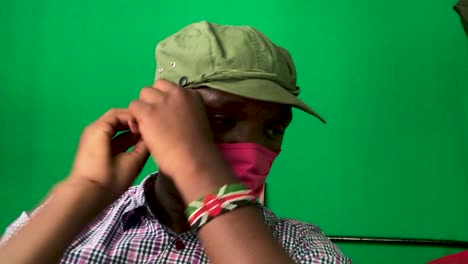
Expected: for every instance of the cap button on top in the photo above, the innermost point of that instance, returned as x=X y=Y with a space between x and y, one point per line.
x=183 y=81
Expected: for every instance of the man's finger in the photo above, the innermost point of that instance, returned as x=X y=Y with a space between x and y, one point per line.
x=139 y=109
x=123 y=142
x=151 y=95
x=129 y=165
x=113 y=121
x=133 y=125
x=165 y=86
x=140 y=152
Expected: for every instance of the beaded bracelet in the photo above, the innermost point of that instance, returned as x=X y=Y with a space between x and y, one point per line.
x=223 y=200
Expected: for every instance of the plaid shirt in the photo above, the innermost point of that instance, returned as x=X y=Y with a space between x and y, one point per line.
x=128 y=232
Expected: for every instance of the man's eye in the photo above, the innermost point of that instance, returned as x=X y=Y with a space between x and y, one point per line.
x=220 y=122
x=275 y=131
x=219 y=119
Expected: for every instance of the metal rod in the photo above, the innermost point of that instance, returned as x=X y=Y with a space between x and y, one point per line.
x=400 y=241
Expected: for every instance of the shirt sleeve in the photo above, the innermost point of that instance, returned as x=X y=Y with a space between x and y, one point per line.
x=15 y=226
x=312 y=246
x=19 y=222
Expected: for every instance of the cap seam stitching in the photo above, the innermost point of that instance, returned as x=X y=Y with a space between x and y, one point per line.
x=254 y=42
x=211 y=39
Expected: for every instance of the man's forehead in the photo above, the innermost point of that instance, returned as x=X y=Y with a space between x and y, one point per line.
x=213 y=96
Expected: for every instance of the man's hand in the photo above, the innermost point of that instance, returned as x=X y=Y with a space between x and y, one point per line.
x=102 y=171
x=102 y=158
x=173 y=124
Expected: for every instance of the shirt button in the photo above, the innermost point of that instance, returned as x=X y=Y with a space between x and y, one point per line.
x=179 y=245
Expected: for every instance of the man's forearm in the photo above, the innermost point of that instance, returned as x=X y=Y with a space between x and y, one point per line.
x=239 y=236
x=49 y=232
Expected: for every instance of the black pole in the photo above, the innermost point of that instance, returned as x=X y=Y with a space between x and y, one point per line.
x=400 y=241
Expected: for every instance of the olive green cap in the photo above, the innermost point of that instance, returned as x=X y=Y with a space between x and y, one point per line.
x=235 y=59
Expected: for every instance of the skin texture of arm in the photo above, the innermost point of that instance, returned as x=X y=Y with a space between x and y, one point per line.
x=51 y=230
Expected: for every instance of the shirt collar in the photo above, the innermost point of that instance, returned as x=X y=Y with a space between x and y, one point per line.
x=137 y=203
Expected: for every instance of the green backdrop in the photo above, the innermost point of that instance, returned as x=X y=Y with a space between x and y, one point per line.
x=390 y=77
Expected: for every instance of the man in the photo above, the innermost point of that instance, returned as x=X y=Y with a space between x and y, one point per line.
x=214 y=118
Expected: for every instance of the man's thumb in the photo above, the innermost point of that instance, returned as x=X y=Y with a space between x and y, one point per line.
x=130 y=164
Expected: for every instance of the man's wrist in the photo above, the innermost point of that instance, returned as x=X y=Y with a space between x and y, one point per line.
x=203 y=174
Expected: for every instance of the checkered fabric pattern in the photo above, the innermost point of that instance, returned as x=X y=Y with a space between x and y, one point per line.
x=128 y=232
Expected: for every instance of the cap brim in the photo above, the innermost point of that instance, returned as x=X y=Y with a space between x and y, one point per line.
x=263 y=90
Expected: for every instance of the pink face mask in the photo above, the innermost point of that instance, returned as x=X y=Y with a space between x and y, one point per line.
x=251 y=163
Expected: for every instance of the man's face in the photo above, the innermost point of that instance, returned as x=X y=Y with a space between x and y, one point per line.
x=235 y=119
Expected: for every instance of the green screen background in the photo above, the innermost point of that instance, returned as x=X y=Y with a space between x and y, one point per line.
x=390 y=77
